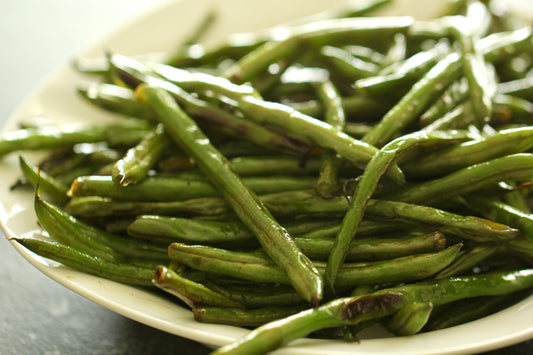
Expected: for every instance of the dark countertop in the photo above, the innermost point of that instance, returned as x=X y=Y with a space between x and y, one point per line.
x=37 y=315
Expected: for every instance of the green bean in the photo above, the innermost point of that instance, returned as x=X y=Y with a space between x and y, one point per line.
x=467 y=260
x=82 y=161
x=136 y=73
x=56 y=165
x=231 y=149
x=362 y=107
x=274 y=165
x=318 y=132
x=238 y=45
x=332 y=31
x=258 y=267
x=469 y=227
x=305 y=116
x=267 y=165
x=460 y=117
x=514 y=106
x=360 y=8
x=463 y=311
x=327 y=184
x=296 y=203
x=91 y=67
x=97 y=206
x=65 y=231
x=452 y=289
x=303 y=202
x=502 y=46
x=366 y=53
x=198 y=32
x=481 y=84
x=412 y=104
x=454 y=95
x=410 y=319
x=345 y=65
x=201 y=82
x=506 y=108
x=159 y=188
x=479 y=18
x=171 y=229
x=254 y=295
x=336 y=313
x=521 y=247
x=248 y=68
x=277 y=333
x=402 y=74
x=368 y=227
x=357 y=130
x=68 y=230
x=47 y=184
x=206 y=232
x=135 y=165
x=520 y=87
x=190 y=292
x=363 y=249
x=517 y=199
x=69 y=256
x=364 y=191
x=274 y=238
x=431 y=29
x=504 y=213
x=472 y=178
x=115 y=98
x=504 y=142
x=187 y=80
x=233 y=47
x=396 y=52
x=243 y=317
x=269 y=84
x=496 y=48
x=51 y=137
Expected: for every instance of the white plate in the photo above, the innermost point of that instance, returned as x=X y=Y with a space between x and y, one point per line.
x=157 y=31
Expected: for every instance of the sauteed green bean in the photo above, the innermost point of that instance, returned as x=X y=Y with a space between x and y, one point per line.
x=357 y=170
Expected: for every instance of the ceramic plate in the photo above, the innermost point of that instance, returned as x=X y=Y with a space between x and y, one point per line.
x=158 y=31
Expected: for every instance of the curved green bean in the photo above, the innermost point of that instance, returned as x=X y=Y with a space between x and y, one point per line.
x=125 y=273
x=364 y=190
x=135 y=165
x=257 y=267
x=504 y=142
x=190 y=292
x=472 y=178
x=410 y=319
x=413 y=103
x=51 y=137
x=174 y=188
x=273 y=237
x=51 y=187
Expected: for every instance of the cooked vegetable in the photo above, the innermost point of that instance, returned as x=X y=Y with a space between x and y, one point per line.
x=272 y=236
x=386 y=157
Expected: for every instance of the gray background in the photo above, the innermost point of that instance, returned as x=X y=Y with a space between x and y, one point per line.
x=37 y=315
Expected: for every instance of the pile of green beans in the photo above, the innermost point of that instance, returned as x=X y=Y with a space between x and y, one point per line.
x=360 y=170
